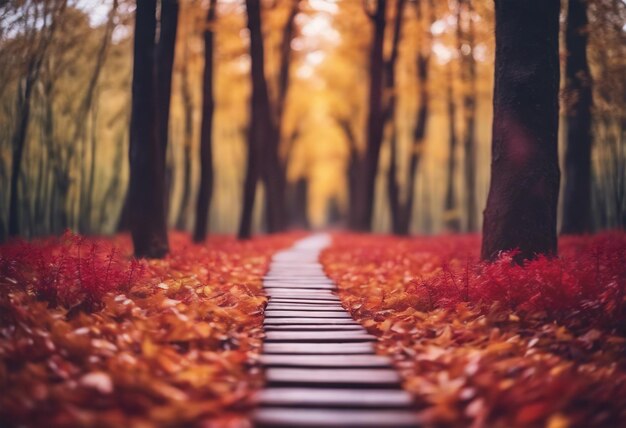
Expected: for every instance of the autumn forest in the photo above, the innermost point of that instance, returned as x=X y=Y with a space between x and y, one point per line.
x=313 y=213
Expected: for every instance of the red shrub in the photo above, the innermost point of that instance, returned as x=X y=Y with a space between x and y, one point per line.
x=587 y=280
x=68 y=271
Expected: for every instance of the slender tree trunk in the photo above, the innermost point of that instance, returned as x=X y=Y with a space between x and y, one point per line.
x=263 y=138
x=451 y=211
x=522 y=203
x=181 y=221
x=369 y=168
x=18 y=145
x=298 y=197
x=147 y=163
x=577 y=193
x=424 y=42
x=206 y=153
x=393 y=188
x=465 y=36
x=164 y=66
x=86 y=216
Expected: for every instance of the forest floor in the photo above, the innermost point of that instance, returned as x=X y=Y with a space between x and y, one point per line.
x=89 y=336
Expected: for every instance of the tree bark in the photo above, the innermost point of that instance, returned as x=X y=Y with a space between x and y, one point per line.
x=147 y=163
x=393 y=188
x=465 y=36
x=578 y=101
x=402 y=221
x=522 y=203
x=368 y=170
x=206 y=153
x=262 y=138
x=451 y=211
x=165 y=48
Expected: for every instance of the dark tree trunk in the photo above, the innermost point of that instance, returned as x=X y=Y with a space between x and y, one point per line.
x=353 y=169
x=206 y=153
x=18 y=145
x=369 y=168
x=164 y=66
x=393 y=188
x=522 y=203
x=147 y=163
x=468 y=75
x=402 y=221
x=298 y=196
x=578 y=100
x=165 y=49
x=181 y=220
x=451 y=211
x=262 y=138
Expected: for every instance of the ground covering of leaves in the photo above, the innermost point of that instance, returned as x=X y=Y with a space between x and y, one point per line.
x=90 y=337
x=496 y=345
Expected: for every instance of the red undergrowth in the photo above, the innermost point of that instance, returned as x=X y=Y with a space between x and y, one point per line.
x=495 y=344
x=91 y=337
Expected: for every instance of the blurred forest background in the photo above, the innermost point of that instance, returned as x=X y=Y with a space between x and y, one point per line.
x=70 y=62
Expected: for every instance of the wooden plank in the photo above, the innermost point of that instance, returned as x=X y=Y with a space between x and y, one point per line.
x=333 y=397
x=296 y=301
x=332 y=376
x=309 y=320
x=325 y=360
x=318 y=348
x=299 y=286
x=334 y=336
x=305 y=301
x=287 y=417
x=311 y=308
x=319 y=327
x=309 y=314
x=301 y=294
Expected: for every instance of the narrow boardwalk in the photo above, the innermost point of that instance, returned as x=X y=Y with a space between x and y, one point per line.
x=320 y=365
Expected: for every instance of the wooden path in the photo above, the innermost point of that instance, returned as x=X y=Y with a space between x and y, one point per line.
x=320 y=365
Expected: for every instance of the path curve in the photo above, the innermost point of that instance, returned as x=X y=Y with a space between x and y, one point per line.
x=320 y=365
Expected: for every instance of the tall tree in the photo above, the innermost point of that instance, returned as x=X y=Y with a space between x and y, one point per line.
x=402 y=219
x=389 y=78
x=262 y=135
x=467 y=65
x=578 y=99
x=206 y=153
x=451 y=210
x=42 y=19
x=146 y=154
x=187 y=101
x=522 y=203
x=361 y=214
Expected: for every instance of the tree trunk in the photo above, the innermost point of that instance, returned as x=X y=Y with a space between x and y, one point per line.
x=181 y=220
x=451 y=211
x=405 y=209
x=147 y=163
x=522 y=203
x=578 y=101
x=164 y=65
x=468 y=75
x=393 y=188
x=206 y=153
x=298 y=192
x=262 y=138
x=369 y=168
